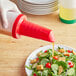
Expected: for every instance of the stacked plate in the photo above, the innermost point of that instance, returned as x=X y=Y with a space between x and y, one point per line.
x=38 y=7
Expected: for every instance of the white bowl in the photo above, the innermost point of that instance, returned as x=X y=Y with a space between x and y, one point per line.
x=34 y=53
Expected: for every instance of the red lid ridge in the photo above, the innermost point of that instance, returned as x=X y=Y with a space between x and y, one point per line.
x=16 y=25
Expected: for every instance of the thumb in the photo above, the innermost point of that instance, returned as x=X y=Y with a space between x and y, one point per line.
x=15 y=8
x=4 y=19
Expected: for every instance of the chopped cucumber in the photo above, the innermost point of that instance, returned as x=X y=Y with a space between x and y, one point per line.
x=45 y=73
x=34 y=65
x=44 y=61
x=71 y=71
x=44 y=55
x=54 y=68
x=39 y=73
x=29 y=67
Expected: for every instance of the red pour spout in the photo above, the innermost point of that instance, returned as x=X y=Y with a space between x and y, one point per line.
x=23 y=27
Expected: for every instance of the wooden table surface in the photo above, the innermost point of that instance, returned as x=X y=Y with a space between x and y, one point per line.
x=13 y=53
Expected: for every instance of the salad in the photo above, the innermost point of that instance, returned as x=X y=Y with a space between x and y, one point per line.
x=63 y=63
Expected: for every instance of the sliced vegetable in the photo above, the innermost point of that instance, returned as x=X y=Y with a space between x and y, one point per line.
x=34 y=65
x=70 y=64
x=54 y=68
x=73 y=58
x=45 y=73
x=55 y=57
x=44 y=55
x=69 y=51
x=29 y=67
x=45 y=51
x=37 y=59
x=71 y=71
x=44 y=61
x=66 y=54
x=34 y=74
x=39 y=73
x=48 y=65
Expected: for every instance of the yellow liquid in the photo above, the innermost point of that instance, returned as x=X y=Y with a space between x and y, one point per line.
x=53 y=49
x=67 y=13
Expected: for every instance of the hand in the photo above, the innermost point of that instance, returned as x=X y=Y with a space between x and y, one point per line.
x=5 y=6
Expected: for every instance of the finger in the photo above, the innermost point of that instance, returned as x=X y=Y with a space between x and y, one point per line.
x=4 y=19
x=15 y=8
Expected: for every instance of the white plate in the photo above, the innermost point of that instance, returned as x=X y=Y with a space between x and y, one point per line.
x=37 y=9
x=34 y=53
x=24 y=4
x=39 y=1
x=37 y=4
x=38 y=12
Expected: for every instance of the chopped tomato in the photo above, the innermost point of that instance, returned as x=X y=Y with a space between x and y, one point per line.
x=48 y=65
x=34 y=74
x=70 y=64
x=37 y=59
x=45 y=51
x=69 y=51
x=55 y=57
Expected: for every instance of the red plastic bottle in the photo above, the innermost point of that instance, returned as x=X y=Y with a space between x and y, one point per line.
x=18 y=25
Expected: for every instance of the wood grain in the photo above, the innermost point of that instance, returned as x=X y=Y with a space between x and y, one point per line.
x=13 y=53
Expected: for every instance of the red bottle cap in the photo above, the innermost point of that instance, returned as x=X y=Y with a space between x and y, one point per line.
x=23 y=27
